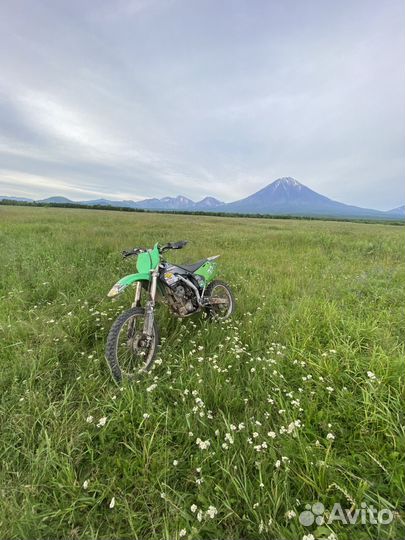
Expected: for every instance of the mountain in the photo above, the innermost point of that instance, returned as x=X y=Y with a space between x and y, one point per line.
x=287 y=196
x=208 y=203
x=56 y=200
x=399 y=211
x=167 y=203
x=107 y=202
x=18 y=199
x=179 y=203
x=284 y=196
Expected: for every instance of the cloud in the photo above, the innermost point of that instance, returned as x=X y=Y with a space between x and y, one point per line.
x=157 y=98
x=23 y=182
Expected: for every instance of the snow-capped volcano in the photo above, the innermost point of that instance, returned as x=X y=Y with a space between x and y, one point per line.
x=287 y=196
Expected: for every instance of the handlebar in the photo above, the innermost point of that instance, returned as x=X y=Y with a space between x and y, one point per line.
x=173 y=245
x=132 y=252
x=162 y=249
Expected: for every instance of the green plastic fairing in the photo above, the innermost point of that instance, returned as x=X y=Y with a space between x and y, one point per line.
x=208 y=271
x=148 y=261
x=128 y=280
x=145 y=263
x=131 y=278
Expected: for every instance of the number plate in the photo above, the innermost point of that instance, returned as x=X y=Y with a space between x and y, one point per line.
x=170 y=278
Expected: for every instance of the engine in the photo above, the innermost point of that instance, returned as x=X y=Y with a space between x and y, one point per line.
x=183 y=299
x=180 y=291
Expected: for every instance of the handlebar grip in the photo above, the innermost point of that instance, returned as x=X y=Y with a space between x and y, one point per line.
x=179 y=245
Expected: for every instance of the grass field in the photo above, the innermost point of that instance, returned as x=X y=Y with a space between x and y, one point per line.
x=297 y=400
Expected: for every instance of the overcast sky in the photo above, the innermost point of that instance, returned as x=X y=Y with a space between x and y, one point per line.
x=149 y=98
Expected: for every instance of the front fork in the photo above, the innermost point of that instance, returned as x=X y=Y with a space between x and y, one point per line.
x=150 y=305
x=138 y=291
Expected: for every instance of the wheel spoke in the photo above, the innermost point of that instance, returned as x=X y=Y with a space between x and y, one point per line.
x=220 y=301
x=133 y=348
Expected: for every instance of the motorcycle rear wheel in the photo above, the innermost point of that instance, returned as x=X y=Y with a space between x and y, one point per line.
x=222 y=298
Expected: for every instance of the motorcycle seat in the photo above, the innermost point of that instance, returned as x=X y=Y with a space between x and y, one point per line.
x=193 y=266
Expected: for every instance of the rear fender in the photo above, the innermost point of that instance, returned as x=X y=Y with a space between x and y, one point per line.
x=208 y=270
x=123 y=283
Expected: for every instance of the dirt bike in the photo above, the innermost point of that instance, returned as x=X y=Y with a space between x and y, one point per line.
x=186 y=289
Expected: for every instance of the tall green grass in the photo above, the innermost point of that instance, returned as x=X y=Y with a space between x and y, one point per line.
x=298 y=399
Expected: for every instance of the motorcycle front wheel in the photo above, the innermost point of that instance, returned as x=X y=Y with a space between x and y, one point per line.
x=128 y=350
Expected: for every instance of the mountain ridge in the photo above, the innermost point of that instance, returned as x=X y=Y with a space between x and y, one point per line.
x=284 y=196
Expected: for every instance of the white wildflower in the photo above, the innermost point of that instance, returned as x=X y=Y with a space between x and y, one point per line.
x=193 y=508
x=102 y=422
x=229 y=438
x=212 y=512
x=89 y=419
x=85 y=484
x=330 y=437
x=203 y=445
x=112 y=503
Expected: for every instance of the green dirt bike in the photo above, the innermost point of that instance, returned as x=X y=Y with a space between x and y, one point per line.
x=133 y=340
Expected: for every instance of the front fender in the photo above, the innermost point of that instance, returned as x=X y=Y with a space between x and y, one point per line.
x=127 y=280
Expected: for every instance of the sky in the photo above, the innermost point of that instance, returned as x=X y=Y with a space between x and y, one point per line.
x=129 y=99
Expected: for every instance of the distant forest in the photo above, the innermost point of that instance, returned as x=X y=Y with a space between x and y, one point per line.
x=8 y=202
